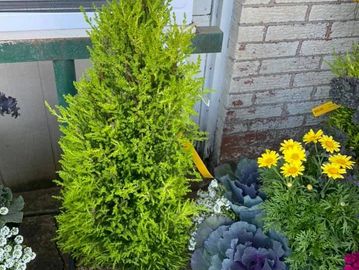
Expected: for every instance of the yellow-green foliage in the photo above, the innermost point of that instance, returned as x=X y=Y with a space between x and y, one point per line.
x=342 y=119
x=347 y=65
x=124 y=173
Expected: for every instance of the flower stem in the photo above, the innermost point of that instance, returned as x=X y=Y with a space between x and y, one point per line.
x=324 y=190
x=277 y=173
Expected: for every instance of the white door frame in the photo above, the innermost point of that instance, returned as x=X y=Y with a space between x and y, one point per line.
x=215 y=79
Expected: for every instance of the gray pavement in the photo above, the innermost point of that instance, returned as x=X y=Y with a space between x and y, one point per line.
x=39 y=227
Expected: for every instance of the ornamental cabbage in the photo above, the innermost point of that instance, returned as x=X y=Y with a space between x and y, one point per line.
x=240 y=246
x=242 y=189
x=8 y=105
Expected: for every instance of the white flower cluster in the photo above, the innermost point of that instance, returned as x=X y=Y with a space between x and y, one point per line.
x=214 y=203
x=4 y=211
x=13 y=255
x=213 y=200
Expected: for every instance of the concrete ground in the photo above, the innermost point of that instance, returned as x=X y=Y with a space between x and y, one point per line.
x=39 y=227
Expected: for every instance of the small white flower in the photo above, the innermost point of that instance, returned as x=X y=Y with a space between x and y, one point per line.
x=3 y=241
x=9 y=263
x=4 y=231
x=4 y=211
x=192 y=244
x=7 y=255
x=17 y=254
x=217 y=209
x=18 y=247
x=219 y=202
x=19 y=239
x=26 y=258
x=27 y=250
x=8 y=248
x=214 y=184
x=14 y=231
x=33 y=256
x=21 y=266
x=212 y=193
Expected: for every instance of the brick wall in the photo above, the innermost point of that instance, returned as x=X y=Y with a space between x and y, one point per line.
x=278 y=69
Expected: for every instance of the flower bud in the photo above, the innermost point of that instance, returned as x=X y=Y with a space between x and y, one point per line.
x=309 y=187
x=289 y=184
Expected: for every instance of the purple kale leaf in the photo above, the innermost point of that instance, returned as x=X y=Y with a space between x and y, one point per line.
x=8 y=105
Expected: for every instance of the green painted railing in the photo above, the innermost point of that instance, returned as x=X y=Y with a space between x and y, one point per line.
x=63 y=52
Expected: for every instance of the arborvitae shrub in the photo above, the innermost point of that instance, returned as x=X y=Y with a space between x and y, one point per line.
x=125 y=172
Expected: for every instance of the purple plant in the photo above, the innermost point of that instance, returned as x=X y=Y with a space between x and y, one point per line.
x=239 y=246
x=8 y=105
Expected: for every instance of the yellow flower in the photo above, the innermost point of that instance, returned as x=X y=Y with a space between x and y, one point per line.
x=295 y=154
x=289 y=144
x=311 y=136
x=292 y=169
x=343 y=160
x=333 y=170
x=309 y=187
x=268 y=159
x=329 y=144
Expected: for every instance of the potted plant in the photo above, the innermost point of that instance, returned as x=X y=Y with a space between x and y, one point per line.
x=125 y=173
x=311 y=201
x=229 y=233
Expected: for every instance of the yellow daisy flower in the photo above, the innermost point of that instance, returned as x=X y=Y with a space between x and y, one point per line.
x=329 y=144
x=312 y=136
x=268 y=159
x=289 y=144
x=295 y=154
x=292 y=169
x=343 y=160
x=333 y=170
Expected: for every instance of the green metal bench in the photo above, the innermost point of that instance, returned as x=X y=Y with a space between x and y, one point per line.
x=63 y=52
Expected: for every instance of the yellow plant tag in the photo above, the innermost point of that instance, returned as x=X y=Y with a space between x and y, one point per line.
x=201 y=167
x=324 y=108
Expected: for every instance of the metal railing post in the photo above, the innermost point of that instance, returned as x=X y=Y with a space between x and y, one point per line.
x=65 y=76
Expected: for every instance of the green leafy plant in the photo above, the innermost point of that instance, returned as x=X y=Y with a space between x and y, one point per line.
x=311 y=202
x=344 y=91
x=347 y=65
x=341 y=121
x=125 y=173
x=10 y=207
